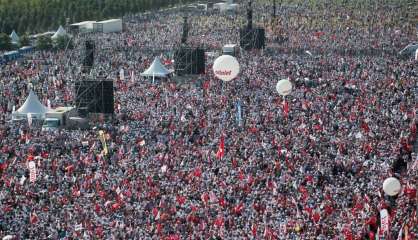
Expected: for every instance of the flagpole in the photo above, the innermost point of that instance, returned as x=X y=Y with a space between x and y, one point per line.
x=166 y=95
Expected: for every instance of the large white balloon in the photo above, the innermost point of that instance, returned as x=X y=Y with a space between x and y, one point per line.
x=226 y=68
x=284 y=87
x=391 y=186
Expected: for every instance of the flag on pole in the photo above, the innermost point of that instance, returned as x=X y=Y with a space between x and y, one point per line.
x=133 y=76
x=239 y=113
x=221 y=148
x=384 y=222
x=122 y=74
x=286 y=108
x=29 y=116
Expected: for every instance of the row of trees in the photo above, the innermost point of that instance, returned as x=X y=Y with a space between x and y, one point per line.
x=41 y=15
x=42 y=43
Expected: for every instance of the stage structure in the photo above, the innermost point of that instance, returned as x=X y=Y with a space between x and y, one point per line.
x=250 y=37
x=188 y=60
x=93 y=93
x=94 y=96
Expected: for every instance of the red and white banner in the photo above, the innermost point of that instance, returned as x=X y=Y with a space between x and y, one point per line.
x=384 y=222
x=32 y=171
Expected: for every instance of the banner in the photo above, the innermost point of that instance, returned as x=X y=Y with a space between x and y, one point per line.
x=32 y=171
x=103 y=140
x=78 y=227
x=384 y=222
x=239 y=113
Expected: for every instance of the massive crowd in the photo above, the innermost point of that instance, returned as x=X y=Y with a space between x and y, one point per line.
x=311 y=170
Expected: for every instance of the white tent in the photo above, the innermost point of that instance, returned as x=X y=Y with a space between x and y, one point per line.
x=15 y=38
x=156 y=69
x=221 y=6
x=232 y=7
x=59 y=33
x=33 y=106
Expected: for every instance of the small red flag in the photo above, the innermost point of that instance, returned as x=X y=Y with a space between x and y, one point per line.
x=33 y=218
x=221 y=149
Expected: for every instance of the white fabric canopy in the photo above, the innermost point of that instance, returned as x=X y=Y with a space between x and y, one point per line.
x=15 y=38
x=157 y=69
x=33 y=106
x=60 y=32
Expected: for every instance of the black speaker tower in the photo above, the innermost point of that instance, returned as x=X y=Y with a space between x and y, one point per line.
x=274 y=8
x=188 y=60
x=94 y=96
x=88 y=59
x=185 y=31
x=252 y=38
x=250 y=15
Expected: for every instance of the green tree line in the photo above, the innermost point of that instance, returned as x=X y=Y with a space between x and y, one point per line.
x=40 y=15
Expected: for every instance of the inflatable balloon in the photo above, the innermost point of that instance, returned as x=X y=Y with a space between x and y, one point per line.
x=226 y=68
x=284 y=87
x=391 y=186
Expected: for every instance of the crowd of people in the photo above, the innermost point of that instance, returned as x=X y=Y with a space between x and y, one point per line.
x=307 y=166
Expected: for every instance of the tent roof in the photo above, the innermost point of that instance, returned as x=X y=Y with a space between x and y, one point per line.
x=60 y=32
x=156 y=69
x=111 y=20
x=32 y=105
x=82 y=23
x=15 y=38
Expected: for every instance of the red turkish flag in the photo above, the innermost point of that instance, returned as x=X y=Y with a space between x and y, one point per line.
x=221 y=150
x=206 y=85
x=180 y=199
x=316 y=217
x=254 y=230
x=205 y=197
x=222 y=202
x=238 y=209
x=33 y=218
x=219 y=222
x=286 y=108
x=197 y=172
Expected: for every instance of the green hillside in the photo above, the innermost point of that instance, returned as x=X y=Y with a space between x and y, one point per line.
x=40 y=15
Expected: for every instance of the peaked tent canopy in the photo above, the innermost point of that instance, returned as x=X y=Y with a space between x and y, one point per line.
x=156 y=69
x=15 y=38
x=59 y=33
x=409 y=49
x=33 y=106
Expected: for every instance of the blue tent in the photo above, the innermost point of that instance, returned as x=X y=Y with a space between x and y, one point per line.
x=25 y=49
x=10 y=56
